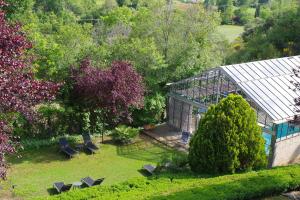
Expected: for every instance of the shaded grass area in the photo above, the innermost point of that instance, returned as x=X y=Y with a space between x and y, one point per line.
x=34 y=173
x=252 y=185
x=231 y=32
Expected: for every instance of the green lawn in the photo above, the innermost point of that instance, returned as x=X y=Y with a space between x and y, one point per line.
x=36 y=171
x=247 y=186
x=231 y=32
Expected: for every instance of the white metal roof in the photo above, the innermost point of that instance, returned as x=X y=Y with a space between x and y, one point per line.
x=269 y=84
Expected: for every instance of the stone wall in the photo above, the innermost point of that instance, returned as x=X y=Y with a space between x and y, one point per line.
x=287 y=151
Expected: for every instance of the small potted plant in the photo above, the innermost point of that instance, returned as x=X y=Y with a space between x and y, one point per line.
x=148 y=127
x=149 y=124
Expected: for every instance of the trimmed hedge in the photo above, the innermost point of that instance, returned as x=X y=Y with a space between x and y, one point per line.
x=249 y=185
x=31 y=143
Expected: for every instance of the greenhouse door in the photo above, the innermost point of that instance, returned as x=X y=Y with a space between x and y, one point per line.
x=179 y=114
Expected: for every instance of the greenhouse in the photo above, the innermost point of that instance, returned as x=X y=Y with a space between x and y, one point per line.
x=268 y=87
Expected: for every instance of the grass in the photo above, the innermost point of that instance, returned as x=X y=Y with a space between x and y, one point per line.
x=251 y=185
x=37 y=170
x=231 y=32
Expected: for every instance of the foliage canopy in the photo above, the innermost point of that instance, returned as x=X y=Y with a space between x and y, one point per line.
x=19 y=91
x=114 y=90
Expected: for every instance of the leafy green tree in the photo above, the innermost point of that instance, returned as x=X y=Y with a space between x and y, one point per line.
x=243 y=15
x=119 y=15
x=122 y=2
x=209 y=3
x=18 y=8
x=108 y=5
x=228 y=139
x=55 y=6
x=186 y=39
x=265 y=12
x=146 y=59
x=243 y=3
x=58 y=46
x=265 y=39
x=227 y=12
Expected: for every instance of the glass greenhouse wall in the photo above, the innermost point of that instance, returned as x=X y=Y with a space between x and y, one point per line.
x=190 y=98
x=266 y=85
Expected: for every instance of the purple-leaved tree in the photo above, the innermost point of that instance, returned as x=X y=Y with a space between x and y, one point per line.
x=114 y=90
x=19 y=91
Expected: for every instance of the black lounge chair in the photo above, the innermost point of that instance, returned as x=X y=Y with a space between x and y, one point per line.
x=185 y=136
x=90 y=182
x=88 y=144
x=64 y=147
x=149 y=168
x=61 y=187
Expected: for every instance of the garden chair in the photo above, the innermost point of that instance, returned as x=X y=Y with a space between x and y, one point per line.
x=90 y=182
x=61 y=187
x=64 y=147
x=88 y=144
x=149 y=168
x=185 y=136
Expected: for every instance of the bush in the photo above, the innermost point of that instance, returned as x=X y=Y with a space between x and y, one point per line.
x=228 y=139
x=124 y=134
x=28 y=144
x=152 y=112
x=55 y=120
x=52 y=120
x=243 y=15
x=252 y=185
x=178 y=162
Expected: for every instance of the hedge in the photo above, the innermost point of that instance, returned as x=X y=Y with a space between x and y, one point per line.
x=249 y=185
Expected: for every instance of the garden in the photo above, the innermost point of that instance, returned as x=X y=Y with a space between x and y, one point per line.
x=81 y=79
x=34 y=173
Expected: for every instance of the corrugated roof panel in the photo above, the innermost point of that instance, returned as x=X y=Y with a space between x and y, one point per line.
x=259 y=100
x=269 y=84
x=271 y=70
x=294 y=60
x=256 y=69
x=274 y=93
x=297 y=58
x=282 y=88
x=252 y=70
x=237 y=71
x=246 y=73
x=268 y=98
x=284 y=63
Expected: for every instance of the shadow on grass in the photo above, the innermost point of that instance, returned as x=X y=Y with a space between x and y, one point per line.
x=144 y=150
x=144 y=173
x=42 y=155
x=52 y=191
x=246 y=188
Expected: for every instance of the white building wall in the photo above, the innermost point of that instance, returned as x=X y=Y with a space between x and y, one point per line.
x=287 y=151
